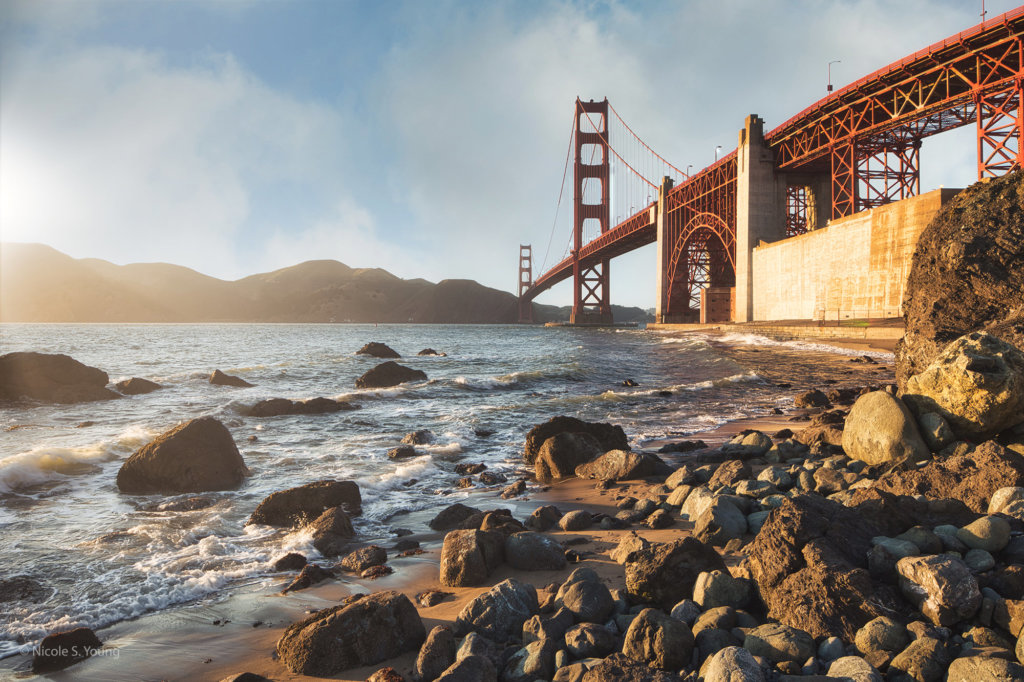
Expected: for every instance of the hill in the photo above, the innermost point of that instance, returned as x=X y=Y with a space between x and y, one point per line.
x=40 y=284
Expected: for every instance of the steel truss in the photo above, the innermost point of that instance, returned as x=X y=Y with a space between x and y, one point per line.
x=797 y=210
x=591 y=301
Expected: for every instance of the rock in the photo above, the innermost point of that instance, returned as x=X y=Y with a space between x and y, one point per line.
x=470 y=669
x=748 y=444
x=59 y=650
x=678 y=495
x=658 y=641
x=51 y=378
x=436 y=655
x=665 y=574
x=576 y=520
x=990 y=533
x=925 y=540
x=530 y=551
x=609 y=437
x=924 y=660
x=623 y=465
x=499 y=613
x=809 y=562
x=630 y=542
x=292 y=561
x=733 y=664
x=469 y=556
x=452 y=516
x=971 y=478
x=881 y=635
x=364 y=558
x=514 y=489
x=560 y=454
x=975 y=668
x=659 y=519
x=310 y=575
x=299 y=505
x=137 y=386
x=720 y=523
x=966 y=274
x=422 y=437
x=777 y=642
x=935 y=431
x=534 y=661
x=590 y=640
x=683 y=446
x=941 y=586
x=589 y=601
x=196 y=456
x=431 y=597
x=431 y=351
x=812 y=398
x=365 y=631
x=976 y=384
x=853 y=668
x=547 y=627
x=697 y=502
x=378 y=350
x=253 y=677
x=492 y=478
x=277 y=407
x=475 y=644
x=331 y=531
x=23 y=588
x=544 y=518
x=719 y=588
x=1004 y=498
x=684 y=475
x=219 y=378
x=979 y=561
x=620 y=668
x=881 y=430
x=387 y=674
x=729 y=474
x=389 y=374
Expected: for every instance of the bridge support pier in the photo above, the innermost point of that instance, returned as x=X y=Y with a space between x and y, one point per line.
x=760 y=209
x=664 y=251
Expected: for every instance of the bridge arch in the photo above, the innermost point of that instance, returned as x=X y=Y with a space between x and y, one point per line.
x=704 y=255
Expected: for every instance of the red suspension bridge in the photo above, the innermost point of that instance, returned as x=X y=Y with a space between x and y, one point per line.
x=856 y=149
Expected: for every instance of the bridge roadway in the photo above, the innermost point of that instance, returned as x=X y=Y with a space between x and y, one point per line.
x=855 y=149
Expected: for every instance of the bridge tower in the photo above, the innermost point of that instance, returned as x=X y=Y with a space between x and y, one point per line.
x=591 y=204
x=525 y=282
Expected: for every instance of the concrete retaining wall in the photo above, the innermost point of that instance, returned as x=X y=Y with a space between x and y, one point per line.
x=855 y=268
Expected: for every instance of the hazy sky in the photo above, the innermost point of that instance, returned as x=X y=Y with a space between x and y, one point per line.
x=425 y=137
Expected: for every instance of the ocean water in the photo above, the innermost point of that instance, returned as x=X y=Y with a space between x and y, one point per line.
x=106 y=557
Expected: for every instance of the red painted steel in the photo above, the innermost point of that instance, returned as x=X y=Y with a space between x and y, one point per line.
x=591 y=296
x=797 y=211
x=525 y=281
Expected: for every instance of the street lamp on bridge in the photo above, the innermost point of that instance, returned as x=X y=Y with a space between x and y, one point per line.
x=834 y=61
x=717 y=149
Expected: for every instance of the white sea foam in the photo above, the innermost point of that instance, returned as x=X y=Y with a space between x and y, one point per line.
x=796 y=344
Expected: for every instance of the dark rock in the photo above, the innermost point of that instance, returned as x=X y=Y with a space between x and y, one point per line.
x=51 y=378
x=364 y=631
x=470 y=669
x=547 y=627
x=219 y=378
x=683 y=446
x=658 y=641
x=967 y=274
x=310 y=575
x=941 y=586
x=534 y=661
x=62 y=649
x=378 y=350
x=196 y=456
x=590 y=640
x=276 y=407
x=530 y=551
x=253 y=677
x=431 y=351
x=777 y=642
x=733 y=664
x=544 y=518
x=364 y=558
x=926 y=658
x=22 y=588
x=402 y=452
x=609 y=437
x=729 y=473
x=492 y=478
x=468 y=469
x=299 y=505
x=187 y=504
x=585 y=597
x=665 y=574
x=623 y=465
x=389 y=374
x=499 y=613
x=812 y=398
x=387 y=674
x=431 y=597
x=621 y=668
x=452 y=516
x=292 y=561
x=137 y=386
x=469 y=556
x=514 y=490
x=560 y=454
x=420 y=437
x=331 y=531
x=436 y=655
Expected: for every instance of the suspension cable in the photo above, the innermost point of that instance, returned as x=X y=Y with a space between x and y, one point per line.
x=624 y=162
x=561 y=192
x=646 y=146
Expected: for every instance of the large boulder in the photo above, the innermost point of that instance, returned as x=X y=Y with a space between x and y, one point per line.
x=453 y=516
x=376 y=349
x=809 y=561
x=276 y=407
x=469 y=556
x=61 y=649
x=436 y=655
x=562 y=453
x=51 y=378
x=365 y=631
x=136 y=386
x=585 y=597
x=196 y=456
x=302 y=504
x=609 y=437
x=941 y=586
x=499 y=613
x=665 y=574
x=331 y=532
x=972 y=478
x=621 y=668
x=389 y=374
x=976 y=384
x=967 y=274
x=881 y=430
x=623 y=465
x=530 y=551
x=219 y=378
x=658 y=640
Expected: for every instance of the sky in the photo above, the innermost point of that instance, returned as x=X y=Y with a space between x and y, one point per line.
x=426 y=137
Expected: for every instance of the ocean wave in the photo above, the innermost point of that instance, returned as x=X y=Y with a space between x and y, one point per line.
x=797 y=344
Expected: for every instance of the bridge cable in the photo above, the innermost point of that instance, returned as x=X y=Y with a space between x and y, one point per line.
x=625 y=163
x=646 y=146
x=561 y=192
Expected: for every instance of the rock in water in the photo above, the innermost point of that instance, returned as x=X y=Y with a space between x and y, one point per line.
x=196 y=456
x=51 y=378
x=137 y=386
x=976 y=384
x=389 y=374
x=881 y=430
x=378 y=350
x=61 y=649
x=562 y=453
x=219 y=378
x=609 y=437
x=967 y=274
x=295 y=506
x=365 y=631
